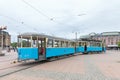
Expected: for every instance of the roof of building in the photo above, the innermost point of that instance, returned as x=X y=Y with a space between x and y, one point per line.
x=4 y=32
x=114 y=33
x=85 y=36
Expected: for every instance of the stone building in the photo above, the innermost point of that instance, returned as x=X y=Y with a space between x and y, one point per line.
x=5 y=39
x=110 y=39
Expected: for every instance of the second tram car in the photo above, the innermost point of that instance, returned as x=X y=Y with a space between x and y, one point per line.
x=87 y=46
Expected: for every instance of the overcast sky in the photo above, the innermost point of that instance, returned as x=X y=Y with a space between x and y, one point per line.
x=60 y=18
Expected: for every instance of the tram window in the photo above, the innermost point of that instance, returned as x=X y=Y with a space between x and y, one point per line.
x=92 y=44
x=57 y=43
x=39 y=43
x=80 y=44
x=43 y=43
x=49 y=43
x=25 y=43
x=34 y=43
x=60 y=44
x=84 y=43
x=67 y=44
x=99 y=44
x=96 y=44
x=71 y=44
x=77 y=44
x=64 y=44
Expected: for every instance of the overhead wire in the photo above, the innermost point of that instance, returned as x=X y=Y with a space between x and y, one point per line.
x=40 y=12
x=37 y=9
x=20 y=22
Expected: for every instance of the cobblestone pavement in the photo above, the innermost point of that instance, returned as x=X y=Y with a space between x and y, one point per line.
x=7 y=59
x=103 y=66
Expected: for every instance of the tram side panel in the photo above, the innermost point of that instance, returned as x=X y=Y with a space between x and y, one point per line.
x=99 y=49
x=53 y=52
x=80 y=49
x=104 y=49
x=94 y=49
x=27 y=53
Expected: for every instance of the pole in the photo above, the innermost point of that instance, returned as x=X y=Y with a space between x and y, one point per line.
x=2 y=41
x=76 y=36
x=21 y=42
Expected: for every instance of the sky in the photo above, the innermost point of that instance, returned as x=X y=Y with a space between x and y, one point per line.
x=61 y=18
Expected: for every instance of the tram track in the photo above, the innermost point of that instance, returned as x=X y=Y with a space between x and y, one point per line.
x=8 y=67
x=19 y=68
x=8 y=60
x=27 y=65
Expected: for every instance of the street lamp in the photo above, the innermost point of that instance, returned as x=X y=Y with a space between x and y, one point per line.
x=76 y=33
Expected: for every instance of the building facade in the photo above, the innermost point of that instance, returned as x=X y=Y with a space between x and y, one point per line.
x=110 y=39
x=5 y=39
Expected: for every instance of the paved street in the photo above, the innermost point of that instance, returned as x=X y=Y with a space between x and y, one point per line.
x=103 y=66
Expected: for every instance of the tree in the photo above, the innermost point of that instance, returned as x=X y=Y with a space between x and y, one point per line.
x=14 y=44
x=118 y=44
x=24 y=44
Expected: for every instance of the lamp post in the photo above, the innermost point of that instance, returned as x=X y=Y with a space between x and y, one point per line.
x=76 y=33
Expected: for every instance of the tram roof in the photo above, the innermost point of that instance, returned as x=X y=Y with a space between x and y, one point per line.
x=27 y=36
x=91 y=40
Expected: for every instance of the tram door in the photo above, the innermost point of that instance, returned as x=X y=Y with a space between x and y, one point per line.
x=85 y=47
x=42 y=49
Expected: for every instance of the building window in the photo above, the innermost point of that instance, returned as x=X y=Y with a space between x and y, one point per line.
x=108 y=40
x=111 y=43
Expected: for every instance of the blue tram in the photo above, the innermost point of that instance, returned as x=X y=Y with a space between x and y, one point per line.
x=87 y=46
x=39 y=47
x=42 y=47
